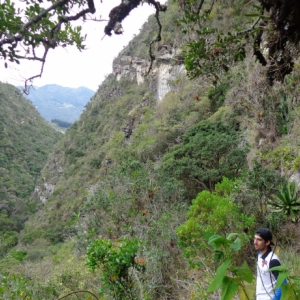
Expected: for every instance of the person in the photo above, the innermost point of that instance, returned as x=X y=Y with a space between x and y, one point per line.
x=267 y=259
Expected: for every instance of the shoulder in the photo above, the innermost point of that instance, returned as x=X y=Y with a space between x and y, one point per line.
x=274 y=262
x=271 y=255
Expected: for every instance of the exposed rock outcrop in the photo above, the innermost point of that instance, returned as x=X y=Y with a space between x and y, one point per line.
x=44 y=189
x=167 y=67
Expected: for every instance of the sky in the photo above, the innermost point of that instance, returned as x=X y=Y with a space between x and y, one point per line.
x=71 y=68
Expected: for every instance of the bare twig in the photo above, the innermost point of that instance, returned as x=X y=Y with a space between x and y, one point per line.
x=76 y=292
x=158 y=8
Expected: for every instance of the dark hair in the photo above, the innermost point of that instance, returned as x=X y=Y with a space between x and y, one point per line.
x=265 y=234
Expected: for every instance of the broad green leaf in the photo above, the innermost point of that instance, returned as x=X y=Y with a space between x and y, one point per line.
x=232 y=235
x=213 y=237
x=221 y=271
x=245 y=273
x=278 y=268
x=281 y=277
x=207 y=235
x=236 y=245
x=288 y=292
x=283 y=273
x=229 y=288
x=247 y=292
x=217 y=241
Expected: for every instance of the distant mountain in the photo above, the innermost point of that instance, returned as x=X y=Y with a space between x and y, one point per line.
x=58 y=102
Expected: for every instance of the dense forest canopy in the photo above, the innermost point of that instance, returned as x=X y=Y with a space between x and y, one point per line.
x=26 y=140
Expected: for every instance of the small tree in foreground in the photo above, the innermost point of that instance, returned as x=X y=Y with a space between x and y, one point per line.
x=210 y=212
x=229 y=277
x=116 y=260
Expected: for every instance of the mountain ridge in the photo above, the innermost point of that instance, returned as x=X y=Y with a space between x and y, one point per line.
x=58 y=102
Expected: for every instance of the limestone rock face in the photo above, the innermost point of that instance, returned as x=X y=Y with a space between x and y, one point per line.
x=46 y=186
x=166 y=73
x=132 y=68
x=43 y=191
x=167 y=66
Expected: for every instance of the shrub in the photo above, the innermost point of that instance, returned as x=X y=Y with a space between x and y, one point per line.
x=286 y=200
x=213 y=213
x=208 y=152
x=116 y=260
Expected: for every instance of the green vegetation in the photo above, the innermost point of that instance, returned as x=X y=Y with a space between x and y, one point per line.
x=208 y=152
x=229 y=277
x=210 y=212
x=115 y=261
x=287 y=201
x=26 y=140
x=154 y=187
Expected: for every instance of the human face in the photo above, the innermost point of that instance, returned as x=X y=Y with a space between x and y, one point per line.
x=260 y=244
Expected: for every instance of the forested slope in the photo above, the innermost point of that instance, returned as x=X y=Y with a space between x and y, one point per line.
x=156 y=162
x=26 y=141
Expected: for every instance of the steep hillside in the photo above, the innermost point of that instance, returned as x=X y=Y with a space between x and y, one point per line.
x=106 y=176
x=26 y=140
x=57 y=102
x=154 y=164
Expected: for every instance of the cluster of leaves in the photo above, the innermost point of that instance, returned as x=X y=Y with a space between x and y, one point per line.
x=262 y=182
x=210 y=50
x=229 y=277
x=116 y=261
x=287 y=201
x=208 y=152
x=233 y=279
x=210 y=212
x=39 y=25
x=289 y=283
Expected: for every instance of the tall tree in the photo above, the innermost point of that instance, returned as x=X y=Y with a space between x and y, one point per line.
x=208 y=152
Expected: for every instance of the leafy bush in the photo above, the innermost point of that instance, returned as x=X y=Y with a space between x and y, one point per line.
x=213 y=213
x=208 y=152
x=116 y=260
x=8 y=240
x=286 y=200
x=254 y=189
x=18 y=255
x=217 y=96
x=230 y=277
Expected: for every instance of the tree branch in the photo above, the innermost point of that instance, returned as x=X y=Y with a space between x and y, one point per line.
x=118 y=14
x=76 y=292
